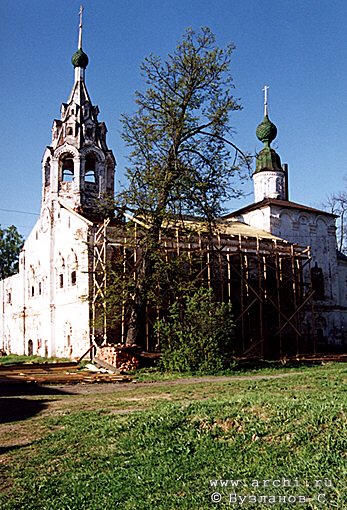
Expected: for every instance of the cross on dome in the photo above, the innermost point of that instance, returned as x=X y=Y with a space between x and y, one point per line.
x=80 y=59
x=265 y=89
x=266 y=130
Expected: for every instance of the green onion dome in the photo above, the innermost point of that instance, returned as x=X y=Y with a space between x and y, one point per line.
x=267 y=159
x=266 y=131
x=80 y=59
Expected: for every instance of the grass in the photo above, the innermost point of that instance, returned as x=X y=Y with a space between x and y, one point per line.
x=159 y=446
x=11 y=359
x=239 y=368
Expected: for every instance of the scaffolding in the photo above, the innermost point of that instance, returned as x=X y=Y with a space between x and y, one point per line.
x=258 y=273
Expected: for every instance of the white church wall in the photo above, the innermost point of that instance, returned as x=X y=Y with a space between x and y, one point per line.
x=342 y=273
x=70 y=284
x=11 y=323
x=34 y=270
x=258 y=219
x=342 y=270
x=310 y=229
x=45 y=309
x=268 y=184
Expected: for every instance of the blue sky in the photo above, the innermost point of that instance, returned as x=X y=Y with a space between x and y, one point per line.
x=297 y=47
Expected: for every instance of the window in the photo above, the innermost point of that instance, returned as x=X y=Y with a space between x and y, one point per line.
x=61 y=281
x=32 y=291
x=40 y=289
x=317 y=280
x=47 y=172
x=73 y=278
x=30 y=348
x=9 y=298
x=69 y=131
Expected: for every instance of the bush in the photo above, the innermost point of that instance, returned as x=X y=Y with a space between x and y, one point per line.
x=197 y=334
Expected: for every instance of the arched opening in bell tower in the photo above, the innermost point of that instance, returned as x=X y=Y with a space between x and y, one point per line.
x=90 y=167
x=67 y=168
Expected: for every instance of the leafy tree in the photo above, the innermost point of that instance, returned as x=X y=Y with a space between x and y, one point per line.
x=182 y=160
x=11 y=243
x=196 y=334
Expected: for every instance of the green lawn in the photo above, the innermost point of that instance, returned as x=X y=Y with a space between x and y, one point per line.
x=167 y=446
x=13 y=359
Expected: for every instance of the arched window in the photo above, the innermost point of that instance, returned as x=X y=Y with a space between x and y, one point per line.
x=317 y=280
x=47 y=172
x=89 y=173
x=67 y=168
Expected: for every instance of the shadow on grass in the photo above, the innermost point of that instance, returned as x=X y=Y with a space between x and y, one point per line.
x=15 y=409
x=6 y=449
x=14 y=405
x=9 y=389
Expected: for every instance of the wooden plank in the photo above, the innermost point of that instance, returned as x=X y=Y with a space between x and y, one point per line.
x=103 y=364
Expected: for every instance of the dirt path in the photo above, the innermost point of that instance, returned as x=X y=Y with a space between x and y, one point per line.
x=81 y=389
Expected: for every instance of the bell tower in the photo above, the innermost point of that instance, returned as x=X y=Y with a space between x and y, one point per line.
x=269 y=178
x=78 y=168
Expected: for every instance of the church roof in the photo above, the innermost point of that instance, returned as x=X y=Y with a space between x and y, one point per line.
x=237 y=228
x=222 y=227
x=285 y=204
x=75 y=213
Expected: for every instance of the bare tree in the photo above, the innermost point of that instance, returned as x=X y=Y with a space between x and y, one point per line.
x=336 y=203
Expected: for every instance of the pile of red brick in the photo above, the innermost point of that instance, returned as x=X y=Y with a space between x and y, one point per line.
x=122 y=357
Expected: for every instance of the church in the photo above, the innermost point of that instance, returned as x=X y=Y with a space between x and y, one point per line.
x=274 y=212
x=46 y=307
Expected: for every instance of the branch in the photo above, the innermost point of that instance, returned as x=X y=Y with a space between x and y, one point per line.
x=222 y=139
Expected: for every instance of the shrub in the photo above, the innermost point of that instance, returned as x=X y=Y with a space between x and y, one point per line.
x=196 y=334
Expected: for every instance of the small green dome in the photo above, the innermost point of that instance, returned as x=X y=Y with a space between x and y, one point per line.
x=80 y=59
x=268 y=159
x=266 y=131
